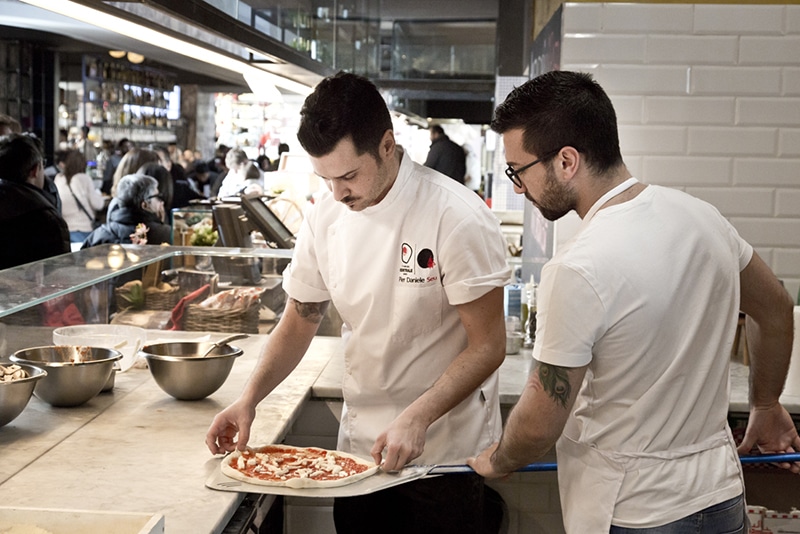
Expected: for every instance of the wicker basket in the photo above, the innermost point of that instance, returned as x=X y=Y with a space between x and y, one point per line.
x=161 y=300
x=200 y=319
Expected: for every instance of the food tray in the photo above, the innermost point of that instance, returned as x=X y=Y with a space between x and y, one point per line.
x=54 y=521
x=379 y=481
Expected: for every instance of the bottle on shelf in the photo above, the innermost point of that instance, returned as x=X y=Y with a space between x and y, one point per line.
x=529 y=319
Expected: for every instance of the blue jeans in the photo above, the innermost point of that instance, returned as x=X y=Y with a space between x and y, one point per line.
x=78 y=237
x=728 y=517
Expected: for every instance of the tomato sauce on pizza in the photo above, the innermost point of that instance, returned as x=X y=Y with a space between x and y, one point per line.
x=296 y=467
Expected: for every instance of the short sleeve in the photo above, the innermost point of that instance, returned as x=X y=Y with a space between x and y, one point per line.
x=474 y=259
x=570 y=317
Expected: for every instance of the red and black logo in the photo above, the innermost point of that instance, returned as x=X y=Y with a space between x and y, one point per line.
x=425 y=259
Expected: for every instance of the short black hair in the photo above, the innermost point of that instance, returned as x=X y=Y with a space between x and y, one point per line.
x=343 y=106
x=438 y=129
x=19 y=154
x=562 y=108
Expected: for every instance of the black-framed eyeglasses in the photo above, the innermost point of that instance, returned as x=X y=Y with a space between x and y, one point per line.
x=513 y=174
x=159 y=196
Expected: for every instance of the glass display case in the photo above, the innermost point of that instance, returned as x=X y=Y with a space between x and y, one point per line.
x=87 y=287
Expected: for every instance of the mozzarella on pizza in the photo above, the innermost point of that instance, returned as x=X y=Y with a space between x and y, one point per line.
x=296 y=467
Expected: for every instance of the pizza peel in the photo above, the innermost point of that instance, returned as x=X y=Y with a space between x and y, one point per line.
x=380 y=481
x=383 y=480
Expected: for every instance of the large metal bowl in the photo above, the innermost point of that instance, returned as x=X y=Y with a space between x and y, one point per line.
x=14 y=395
x=75 y=374
x=179 y=370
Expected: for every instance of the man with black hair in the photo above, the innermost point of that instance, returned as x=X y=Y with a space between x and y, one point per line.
x=636 y=318
x=33 y=229
x=415 y=265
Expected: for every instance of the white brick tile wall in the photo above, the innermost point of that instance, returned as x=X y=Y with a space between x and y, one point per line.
x=769 y=232
x=786 y=263
x=713 y=80
x=766 y=171
x=758 y=50
x=652 y=139
x=686 y=171
x=581 y=17
x=792 y=19
x=699 y=50
x=738 y=19
x=789 y=142
x=788 y=203
x=775 y=111
x=689 y=110
x=630 y=109
x=733 y=140
x=755 y=202
x=791 y=82
x=615 y=48
x=658 y=18
x=644 y=79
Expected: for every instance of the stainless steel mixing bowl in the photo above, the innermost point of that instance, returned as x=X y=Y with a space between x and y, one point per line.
x=75 y=374
x=179 y=370
x=14 y=395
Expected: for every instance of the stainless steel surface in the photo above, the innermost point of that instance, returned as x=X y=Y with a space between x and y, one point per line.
x=178 y=371
x=74 y=374
x=223 y=341
x=14 y=396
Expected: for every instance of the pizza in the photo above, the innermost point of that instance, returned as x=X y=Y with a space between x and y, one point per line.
x=296 y=467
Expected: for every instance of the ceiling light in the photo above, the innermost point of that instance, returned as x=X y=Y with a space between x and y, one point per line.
x=88 y=15
x=133 y=57
x=116 y=54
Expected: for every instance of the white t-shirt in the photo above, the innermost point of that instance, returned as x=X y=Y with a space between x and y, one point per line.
x=647 y=294
x=91 y=198
x=395 y=272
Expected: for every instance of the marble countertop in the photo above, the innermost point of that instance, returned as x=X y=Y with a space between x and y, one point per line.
x=514 y=373
x=136 y=449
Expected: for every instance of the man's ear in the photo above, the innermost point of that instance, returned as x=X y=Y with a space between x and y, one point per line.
x=387 y=145
x=567 y=162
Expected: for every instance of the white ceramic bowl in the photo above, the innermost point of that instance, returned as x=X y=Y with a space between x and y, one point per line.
x=126 y=339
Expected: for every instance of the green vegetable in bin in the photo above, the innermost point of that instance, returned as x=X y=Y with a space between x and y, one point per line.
x=204 y=236
x=130 y=295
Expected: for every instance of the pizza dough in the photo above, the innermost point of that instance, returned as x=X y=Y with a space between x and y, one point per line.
x=296 y=467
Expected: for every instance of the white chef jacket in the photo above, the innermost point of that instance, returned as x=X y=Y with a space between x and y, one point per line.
x=395 y=272
x=646 y=294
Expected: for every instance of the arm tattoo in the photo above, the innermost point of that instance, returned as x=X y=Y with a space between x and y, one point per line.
x=311 y=311
x=555 y=382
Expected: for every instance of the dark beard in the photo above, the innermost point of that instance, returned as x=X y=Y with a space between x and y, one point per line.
x=557 y=199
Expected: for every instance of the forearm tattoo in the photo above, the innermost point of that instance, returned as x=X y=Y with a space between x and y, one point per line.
x=310 y=311
x=555 y=382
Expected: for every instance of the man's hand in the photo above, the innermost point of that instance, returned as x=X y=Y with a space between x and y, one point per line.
x=773 y=432
x=235 y=419
x=403 y=441
x=482 y=464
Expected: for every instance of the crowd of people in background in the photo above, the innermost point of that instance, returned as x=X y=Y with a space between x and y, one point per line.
x=89 y=195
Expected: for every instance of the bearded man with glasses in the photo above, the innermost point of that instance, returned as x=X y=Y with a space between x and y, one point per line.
x=636 y=318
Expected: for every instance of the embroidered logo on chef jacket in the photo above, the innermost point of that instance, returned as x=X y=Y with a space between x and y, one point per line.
x=416 y=269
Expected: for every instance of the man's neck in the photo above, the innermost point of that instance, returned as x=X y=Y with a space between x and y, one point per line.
x=597 y=186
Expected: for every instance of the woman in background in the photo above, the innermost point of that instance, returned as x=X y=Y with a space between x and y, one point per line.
x=131 y=162
x=80 y=199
